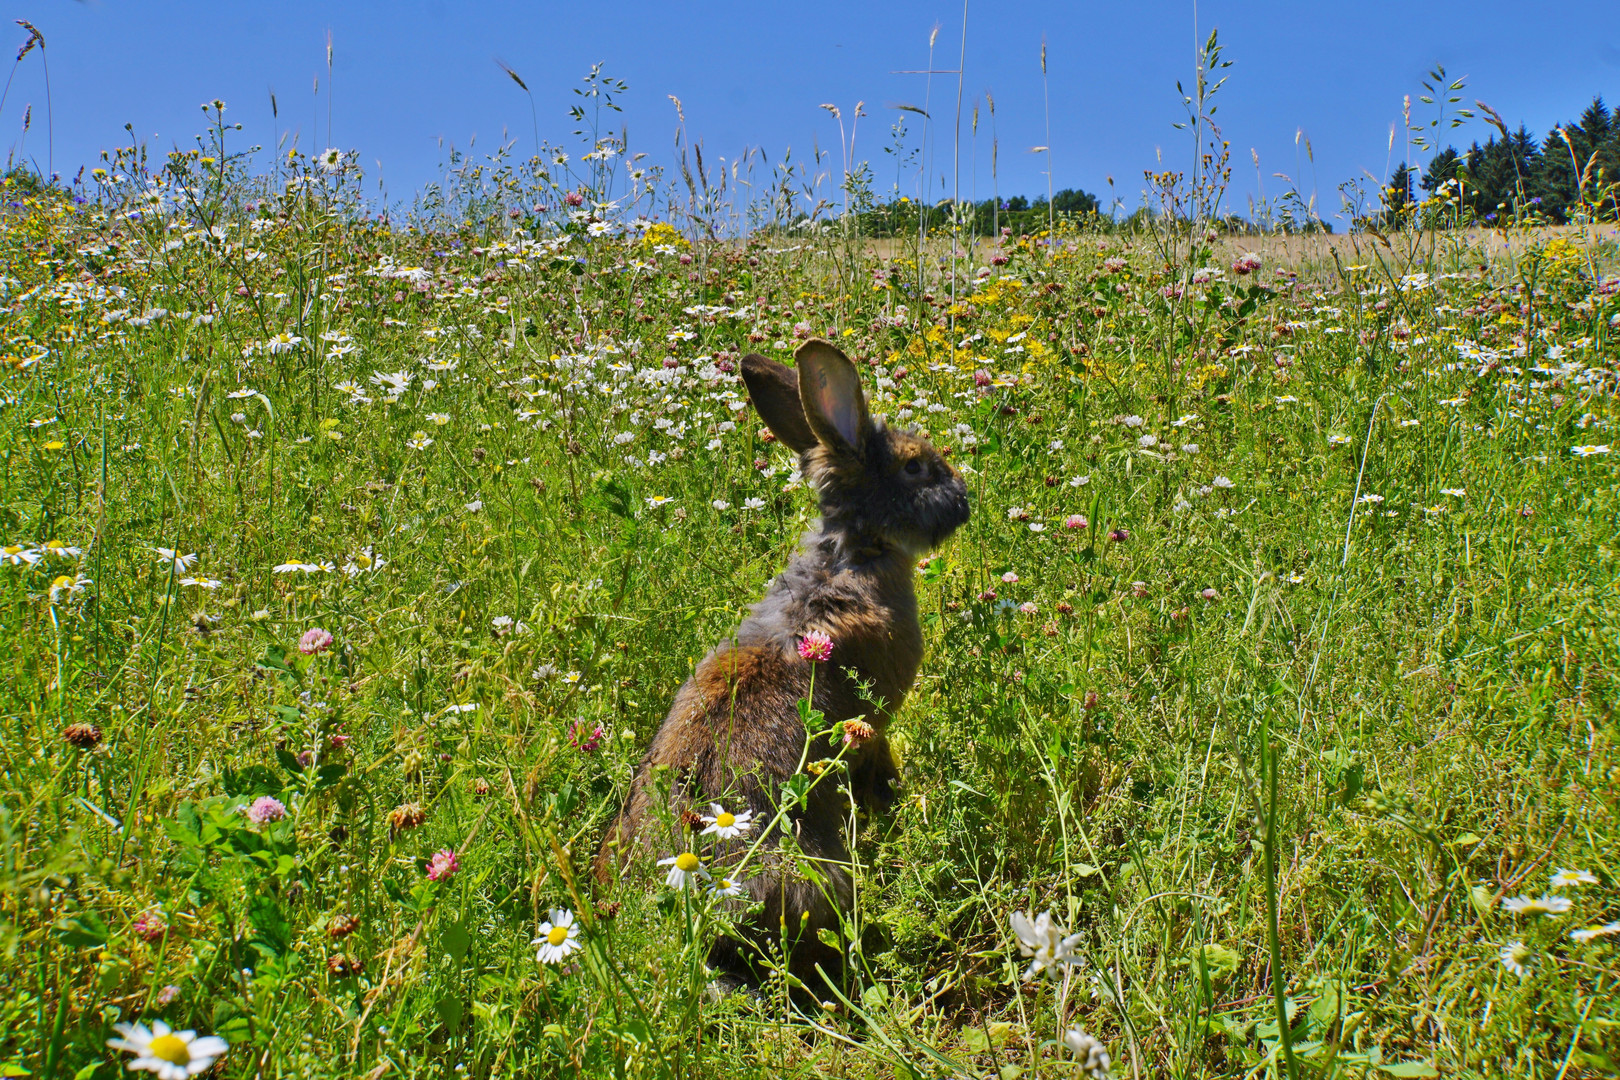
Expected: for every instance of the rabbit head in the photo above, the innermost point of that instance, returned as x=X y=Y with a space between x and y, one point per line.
x=878 y=484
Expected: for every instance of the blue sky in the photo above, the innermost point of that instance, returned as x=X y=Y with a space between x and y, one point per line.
x=411 y=73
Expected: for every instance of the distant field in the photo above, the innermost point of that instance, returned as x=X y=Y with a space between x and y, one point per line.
x=351 y=567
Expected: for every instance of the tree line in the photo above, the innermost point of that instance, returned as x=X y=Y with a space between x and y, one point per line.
x=1513 y=172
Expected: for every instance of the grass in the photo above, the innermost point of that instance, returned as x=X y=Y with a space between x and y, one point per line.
x=1278 y=654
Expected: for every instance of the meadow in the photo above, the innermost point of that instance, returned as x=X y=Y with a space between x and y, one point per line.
x=351 y=563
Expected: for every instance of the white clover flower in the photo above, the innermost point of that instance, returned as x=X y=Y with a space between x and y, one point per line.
x=1048 y=945
x=1091 y=1054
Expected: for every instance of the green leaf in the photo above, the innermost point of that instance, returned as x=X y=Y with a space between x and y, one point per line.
x=828 y=937
x=456 y=940
x=1218 y=960
x=11 y=1068
x=1409 y=1068
x=82 y=931
x=450 y=1010
x=289 y=761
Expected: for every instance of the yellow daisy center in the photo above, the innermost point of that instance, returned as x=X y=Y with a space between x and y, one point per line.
x=171 y=1048
x=557 y=935
x=725 y=820
x=686 y=861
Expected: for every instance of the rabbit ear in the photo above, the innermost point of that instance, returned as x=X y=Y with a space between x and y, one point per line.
x=830 y=389
x=774 y=390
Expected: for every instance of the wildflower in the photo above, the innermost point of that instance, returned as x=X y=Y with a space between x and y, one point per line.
x=1209 y=594
x=1017 y=513
x=150 y=925
x=1092 y=1055
x=170 y=557
x=405 y=817
x=344 y=966
x=419 y=441
x=726 y=825
x=443 y=865
x=1246 y=263
x=439 y=418
x=170 y=1054
x=60 y=550
x=1222 y=482
x=19 y=555
x=559 y=936
x=265 y=809
x=815 y=645
x=314 y=640
x=1371 y=498
x=1048 y=944
x=543 y=672
x=395 y=382
x=1592 y=932
x=1550 y=906
x=341 y=926
x=1076 y=521
x=1589 y=451
x=655 y=501
x=194 y=582
x=84 y=736
x=1010 y=578
x=726 y=888
x=1036 y=526
x=586 y=743
x=1455 y=493
x=683 y=868
x=1565 y=878
x=1514 y=954
x=858 y=733
x=1338 y=440
x=1119 y=535
x=282 y=343
x=1079 y=481
x=720 y=504
x=331 y=159
x=167 y=996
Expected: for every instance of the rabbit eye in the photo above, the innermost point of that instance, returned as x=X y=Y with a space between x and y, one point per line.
x=914 y=467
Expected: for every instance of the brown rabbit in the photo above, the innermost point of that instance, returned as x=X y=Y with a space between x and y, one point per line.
x=734 y=734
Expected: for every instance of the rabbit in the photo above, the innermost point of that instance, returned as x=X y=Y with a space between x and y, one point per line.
x=734 y=734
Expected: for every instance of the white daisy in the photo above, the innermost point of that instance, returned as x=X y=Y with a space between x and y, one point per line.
x=1514 y=954
x=726 y=888
x=683 y=868
x=19 y=555
x=171 y=557
x=559 y=936
x=1565 y=878
x=1590 y=932
x=172 y=1055
x=726 y=825
x=1550 y=906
